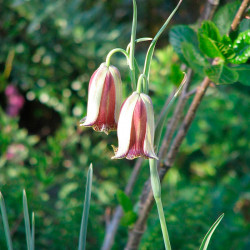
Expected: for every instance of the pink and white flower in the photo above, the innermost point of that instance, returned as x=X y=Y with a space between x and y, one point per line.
x=136 y=128
x=104 y=99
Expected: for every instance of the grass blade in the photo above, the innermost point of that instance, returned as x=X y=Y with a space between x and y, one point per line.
x=85 y=214
x=210 y=232
x=5 y=223
x=27 y=221
x=33 y=231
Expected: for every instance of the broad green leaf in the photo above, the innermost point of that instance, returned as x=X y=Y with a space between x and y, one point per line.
x=124 y=201
x=220 y=74
x=85 y=213
x=209 y=234
x=194 y=58
x=225 y=15
x=128 y=218
x=241 y=47
x=180 y=34
x=244 y=25
x=208 y=46
x=5 y=223
x=210 y=29
x=244 y=73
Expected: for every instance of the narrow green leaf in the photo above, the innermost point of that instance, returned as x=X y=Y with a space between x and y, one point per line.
x=163 y=117
x=210 y=232
x=33 y=230
x=220 y=74
x=27 y=221
x=124 y=201
x=244 y=73
x=85 y=214
x=151 y=48
x=179 y=34
x=5 y=223
x=194 y=58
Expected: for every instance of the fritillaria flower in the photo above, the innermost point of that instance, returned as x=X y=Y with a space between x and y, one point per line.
x=136 y=128
x=104 y=99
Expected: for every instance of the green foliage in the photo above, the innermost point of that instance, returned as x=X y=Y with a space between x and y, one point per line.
x=129 y=216
x=195 y=59
x=243 y=72
x=180 y=34
x=221 y=74
x=224 y=49
x=241 y=47
x=225 y=15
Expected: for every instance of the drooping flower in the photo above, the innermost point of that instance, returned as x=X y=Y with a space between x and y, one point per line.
x=104 y=99
x=136 y=128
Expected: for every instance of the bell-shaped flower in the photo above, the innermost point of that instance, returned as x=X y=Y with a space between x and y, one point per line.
x=104 y=99
x=136 y=127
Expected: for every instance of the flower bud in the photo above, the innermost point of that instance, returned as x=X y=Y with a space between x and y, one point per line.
x=136 y=128
x=104 y=99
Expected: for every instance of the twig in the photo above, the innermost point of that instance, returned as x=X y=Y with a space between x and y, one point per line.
x=191 y=92
x=239 y=15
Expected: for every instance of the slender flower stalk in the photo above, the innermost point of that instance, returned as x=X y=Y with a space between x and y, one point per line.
x=156 y=187
x=132 y=44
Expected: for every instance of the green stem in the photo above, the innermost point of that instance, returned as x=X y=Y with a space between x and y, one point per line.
x=139 y=40
x=153 y=43
x=156 y=187
x=140 y=84
x=112 y=52
x=132 y=42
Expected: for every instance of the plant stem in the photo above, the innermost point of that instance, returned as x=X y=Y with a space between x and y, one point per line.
x=139 y=40
x=112 y=52
x=132 y=45
x=156 y=187
x=140 y=84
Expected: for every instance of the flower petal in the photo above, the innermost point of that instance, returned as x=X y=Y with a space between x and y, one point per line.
x=95 y=94
x=118 y=89
x=125 y=124
x=149 y=137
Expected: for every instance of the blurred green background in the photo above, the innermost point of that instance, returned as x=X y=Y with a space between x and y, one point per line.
x=56 y=46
